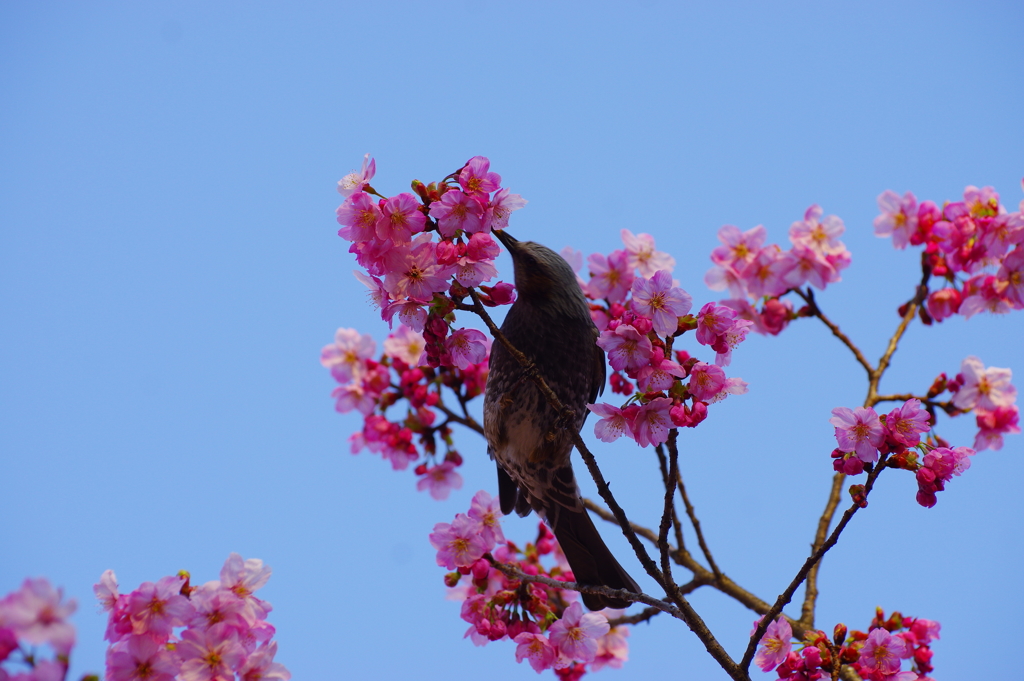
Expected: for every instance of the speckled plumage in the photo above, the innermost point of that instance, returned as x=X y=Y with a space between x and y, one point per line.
x=550 y=323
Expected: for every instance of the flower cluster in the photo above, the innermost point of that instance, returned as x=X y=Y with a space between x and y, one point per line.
x=640 y=310
x=547 y=624
x=372 y=386
x=35 y=614
x=170 y=630
x=755 y=272
x=862 y=434
x=988 y=393
x=420 y=279
x=877 y=655
x=975 y=245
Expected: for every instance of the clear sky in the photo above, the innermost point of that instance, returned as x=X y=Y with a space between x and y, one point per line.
x=169 y=270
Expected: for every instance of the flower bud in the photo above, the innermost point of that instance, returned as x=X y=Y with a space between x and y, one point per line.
x=839 y=634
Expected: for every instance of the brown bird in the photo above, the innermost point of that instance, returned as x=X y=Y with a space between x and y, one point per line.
x=550 y=323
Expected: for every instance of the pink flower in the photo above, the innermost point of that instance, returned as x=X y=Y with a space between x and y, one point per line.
x=470 y=273
x=986 y=388
x=733 y=386
x=642 y=255
x=765 y=274
x=467 y=346
x=487 y=512
x=803 y=264
x=141 y=658
x=345 y=357
x=660 y=374
x=37 y=613
x=481 y=247
x=106 y=590
x=652 y=422
x=610 y=277
x=413 y=271
x=352 y=396
x=459 y=544
x=457 y=211
x=905 y=424
x=243 y=577
x=575 y=634
x=260 y=665
x=358 y=218
x=613 y=424
x=500 y=208
x=537 y=649
x=440 y=480
x=706 y=381
x=356 y=182
x=476 y=178
x=720 y=277
x=993 y=424
x=739 y=248
x=882 y=652
x=943 y=303
x=1012 y=273
x=401 y=217
x=626 y=347
x=898 y=218
x=775 y=644
x=714 y=321
x=858 y=430
x=155 y=609
x=662 y=302
x=406 y=345
x=821 y=236
x=612 y=649
x=210 y=655
x=215 y=605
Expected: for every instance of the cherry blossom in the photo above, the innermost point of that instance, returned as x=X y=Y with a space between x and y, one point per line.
x=356 y=182
x=575 y=634
x=858 y=430
x=440 y=480
x=661 y=301
x=987 y=388
x=643 y=256
x=775 y=644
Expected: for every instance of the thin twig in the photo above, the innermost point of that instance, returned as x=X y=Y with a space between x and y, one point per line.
x=813 y=308
x=691 y=514
x=815 y=556
x=643 y=615
x=467 y=421
x=514 y=572
x=677 y=526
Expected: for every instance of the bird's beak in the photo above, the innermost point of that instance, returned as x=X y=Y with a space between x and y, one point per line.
x=506 y=239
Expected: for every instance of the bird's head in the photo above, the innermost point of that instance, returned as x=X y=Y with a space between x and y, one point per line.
x=543 y=276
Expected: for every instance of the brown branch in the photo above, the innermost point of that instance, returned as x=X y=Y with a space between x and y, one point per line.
x=514 y=572
x=692 y=515
x=811 y=592
x=813 y=559
x=467 y=421
x=668 y=515
x=665 y=479
x=688 y=614
x=812 y=307
x=644 y=615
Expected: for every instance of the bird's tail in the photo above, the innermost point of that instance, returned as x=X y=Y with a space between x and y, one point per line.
x=588 y=556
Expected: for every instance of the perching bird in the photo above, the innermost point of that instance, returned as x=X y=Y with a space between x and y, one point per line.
x=550 y=323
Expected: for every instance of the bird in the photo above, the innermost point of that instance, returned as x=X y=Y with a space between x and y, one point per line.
x=550 y=323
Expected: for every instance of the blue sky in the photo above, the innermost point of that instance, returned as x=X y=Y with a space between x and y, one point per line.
x=169 y=270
